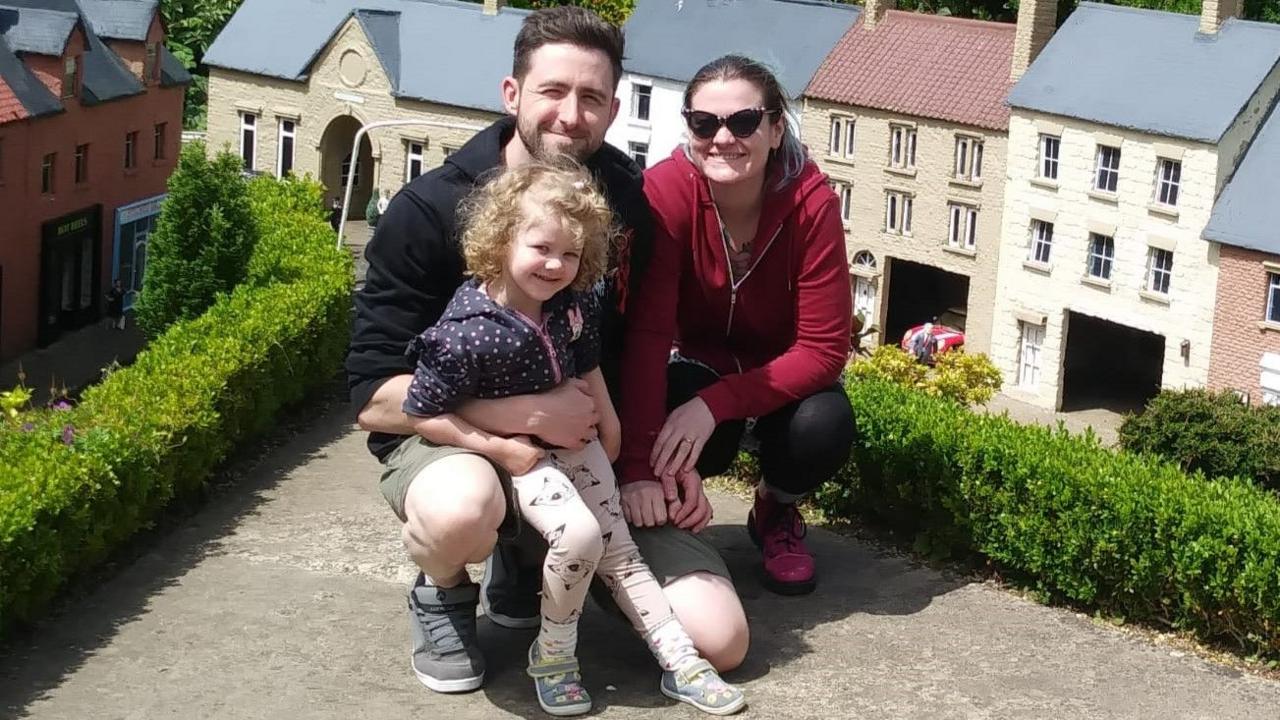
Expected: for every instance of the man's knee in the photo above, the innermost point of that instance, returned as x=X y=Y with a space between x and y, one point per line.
x=454 y=503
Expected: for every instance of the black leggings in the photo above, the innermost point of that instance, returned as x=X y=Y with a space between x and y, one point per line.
x=802 y=445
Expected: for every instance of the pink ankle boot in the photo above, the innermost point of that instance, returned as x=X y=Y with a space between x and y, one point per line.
x=778 y=530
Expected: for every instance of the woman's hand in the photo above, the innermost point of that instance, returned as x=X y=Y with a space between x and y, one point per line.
x=643 y=503
x=688 y=507
x=682 y=438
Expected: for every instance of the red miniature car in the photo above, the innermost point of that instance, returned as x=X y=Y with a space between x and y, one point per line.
x=946 y=331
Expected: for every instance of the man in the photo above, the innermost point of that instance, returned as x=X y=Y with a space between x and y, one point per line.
x=454 y=503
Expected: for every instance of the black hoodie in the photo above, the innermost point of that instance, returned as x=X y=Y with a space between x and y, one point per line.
x=416 y=264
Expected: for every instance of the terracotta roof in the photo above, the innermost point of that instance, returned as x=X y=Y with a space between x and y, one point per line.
x=922 y=65
x=10 y=107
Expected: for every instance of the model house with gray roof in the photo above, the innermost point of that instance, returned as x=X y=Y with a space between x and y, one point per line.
x=1122 y=135
x=1245 y=227
x=291 y=81
x=669 y=40
x=90 y=121
x=906 y=115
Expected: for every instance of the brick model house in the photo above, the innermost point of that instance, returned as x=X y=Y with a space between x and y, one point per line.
x=907 y=117
x=291 y=81
x=1246 y=226
x=90 y=123
x=669 y=40
x=1123 y=132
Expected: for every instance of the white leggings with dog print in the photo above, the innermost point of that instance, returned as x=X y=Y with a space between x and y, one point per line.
x=571 y=498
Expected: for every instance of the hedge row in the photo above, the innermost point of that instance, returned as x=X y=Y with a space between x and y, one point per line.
x=157 y=429
x=1130 y=535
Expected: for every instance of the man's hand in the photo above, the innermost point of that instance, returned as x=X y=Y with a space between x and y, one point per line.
x=517 y=454
x=566 y=416
x=690 y=509
x=643 y=504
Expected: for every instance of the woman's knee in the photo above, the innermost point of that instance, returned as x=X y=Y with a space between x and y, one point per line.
x=709 y=609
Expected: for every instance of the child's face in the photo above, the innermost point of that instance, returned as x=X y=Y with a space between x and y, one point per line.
x=543 y=259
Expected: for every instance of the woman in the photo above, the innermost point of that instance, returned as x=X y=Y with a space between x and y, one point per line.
x=750 y=283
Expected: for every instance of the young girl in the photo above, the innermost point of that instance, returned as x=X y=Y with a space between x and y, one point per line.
x=536 y=241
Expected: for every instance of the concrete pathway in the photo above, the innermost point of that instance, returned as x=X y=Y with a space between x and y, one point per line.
x=284 y=598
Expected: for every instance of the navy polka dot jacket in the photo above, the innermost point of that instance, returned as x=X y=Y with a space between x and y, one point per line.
x=480 y=349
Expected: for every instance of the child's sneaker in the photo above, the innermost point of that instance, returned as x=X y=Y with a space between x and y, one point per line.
x=558 y=683
x=700 y=685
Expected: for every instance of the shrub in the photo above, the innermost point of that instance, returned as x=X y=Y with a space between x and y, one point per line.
x=1131 y=535
x=156 y=430
x=202 y=241
x=970 y=379
x=1209 y=432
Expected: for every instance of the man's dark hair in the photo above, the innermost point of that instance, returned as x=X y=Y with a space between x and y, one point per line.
x=570 y=25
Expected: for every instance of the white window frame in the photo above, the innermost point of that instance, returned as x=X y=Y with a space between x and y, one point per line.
x=410 y=157
x=962 y=226
x=1273 y=297
x=897 y=212
x=1105 y=259
x=902 y=147
x=1050 y=151
x=1157 y=270
x=639 y=151
x=641 y=91
x=844 y=191
x=249 y=128
x=287 y=129
x=1030 y=354
x=1104 y=172
x=1041 y=240
x=840 y=141
x=968 y=159
x=1168 y=181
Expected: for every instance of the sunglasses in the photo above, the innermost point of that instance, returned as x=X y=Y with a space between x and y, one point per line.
x=742 y=124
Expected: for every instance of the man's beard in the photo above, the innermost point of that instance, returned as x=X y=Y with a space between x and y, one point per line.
x=532 y=139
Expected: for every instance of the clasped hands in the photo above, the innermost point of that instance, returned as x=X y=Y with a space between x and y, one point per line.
x=675 y=494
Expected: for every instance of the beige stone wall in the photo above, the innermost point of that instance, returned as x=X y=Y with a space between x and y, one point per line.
x=335 y=89
x=1029 y=293
x=933 y=186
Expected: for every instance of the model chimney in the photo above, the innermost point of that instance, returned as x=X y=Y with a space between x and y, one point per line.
x=1213 y=13
x=1036 y=21
x=491 y=7
x=873 y=12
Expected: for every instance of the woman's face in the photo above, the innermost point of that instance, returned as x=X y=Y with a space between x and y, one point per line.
x=724 y=158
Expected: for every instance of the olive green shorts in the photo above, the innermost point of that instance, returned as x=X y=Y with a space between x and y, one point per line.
x=670 y=552
x=413 y=456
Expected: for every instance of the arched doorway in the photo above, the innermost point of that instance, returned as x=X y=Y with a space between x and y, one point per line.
x=335 y=164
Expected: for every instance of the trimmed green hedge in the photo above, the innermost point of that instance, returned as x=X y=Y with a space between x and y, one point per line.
x=1130 y=535
x=157 y=429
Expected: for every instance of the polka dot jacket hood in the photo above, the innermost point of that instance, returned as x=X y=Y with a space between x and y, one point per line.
x=480 y=349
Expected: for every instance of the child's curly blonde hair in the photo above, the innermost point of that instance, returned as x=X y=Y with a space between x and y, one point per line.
x=562 y=191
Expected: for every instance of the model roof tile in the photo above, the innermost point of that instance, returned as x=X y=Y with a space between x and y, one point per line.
x=10 y=106
x=1150 y=71
x=36 y=29
x=672 y=39
x=448 y=51
x=924 y=66
x=1246 y=214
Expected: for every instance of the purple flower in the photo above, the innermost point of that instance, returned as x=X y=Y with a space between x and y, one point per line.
x=28 y=427
x=62 y=405
x=68 y=434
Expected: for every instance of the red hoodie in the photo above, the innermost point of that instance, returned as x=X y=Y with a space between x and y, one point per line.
x=780 y=337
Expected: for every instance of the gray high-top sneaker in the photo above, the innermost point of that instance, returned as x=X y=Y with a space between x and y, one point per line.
x=446 y=651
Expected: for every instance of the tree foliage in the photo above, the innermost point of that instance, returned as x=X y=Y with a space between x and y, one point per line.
x=202 y=241
x=969 y=379
x=192 y=26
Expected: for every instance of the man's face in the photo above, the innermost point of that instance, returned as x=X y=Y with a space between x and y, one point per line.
x=565 y=103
